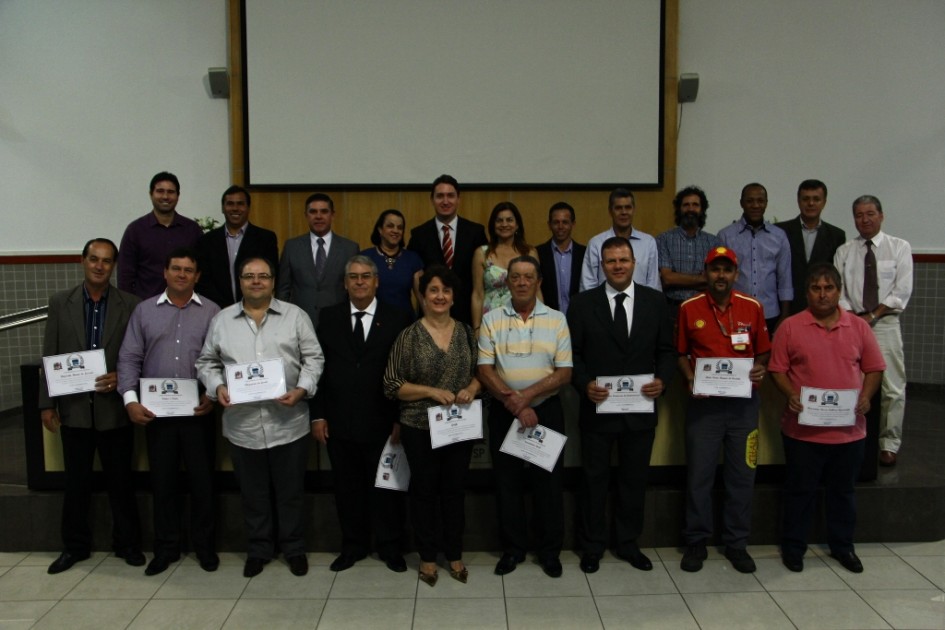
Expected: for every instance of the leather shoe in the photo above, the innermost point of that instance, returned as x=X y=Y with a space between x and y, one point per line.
x=159 y=564
x=209 y=562
x=636 y=558
x=395 y=563
x=132 y=557
x=849 y=560
x=65 y=561
x=887 y=458
x=508 y=562
x=792 y=561
x=590 y=562
x=551 y=566
x=346 y=561
x=254 y=566
x=693 y=557
x=741 y=561
x=298 y=564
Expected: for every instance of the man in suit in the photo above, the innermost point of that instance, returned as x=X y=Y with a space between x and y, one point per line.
x=561 y=259
x=621 y=328
x=450 y=240
x=353 y=418
x=222 y=249
x=311 y=272
x=93 y=316
x=811 y=239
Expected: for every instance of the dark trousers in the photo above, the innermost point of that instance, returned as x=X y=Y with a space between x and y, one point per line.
x=513 y=476
x=115 y=448
x=360 y=505
x=633 y=453
x=267 y=477
x=437 y=475
x=170 y=441
x=729 y=424
x=807 y=464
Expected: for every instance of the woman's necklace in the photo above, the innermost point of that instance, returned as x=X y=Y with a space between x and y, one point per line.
x=390 y=260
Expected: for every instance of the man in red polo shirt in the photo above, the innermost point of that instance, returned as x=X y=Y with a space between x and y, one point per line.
x=828 y=351
x=719 y=324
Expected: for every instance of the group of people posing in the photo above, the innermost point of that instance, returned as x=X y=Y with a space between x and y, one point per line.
x=369 y=340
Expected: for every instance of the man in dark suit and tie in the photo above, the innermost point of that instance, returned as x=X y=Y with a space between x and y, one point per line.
x=311 y=272
x=812 y=240
x=450 y=240
x=619 y=329
x=353 y=418
x=561 y=259
x=222 y=249
x=93 y=316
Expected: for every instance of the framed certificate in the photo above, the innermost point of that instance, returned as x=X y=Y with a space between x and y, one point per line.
x=828 y=407
x=723 y=376
x=252 y=382
x=168 y=397
x=73 y=373
x=537 y=445
x=624 y=394
x=393 y=469
x=455 y=423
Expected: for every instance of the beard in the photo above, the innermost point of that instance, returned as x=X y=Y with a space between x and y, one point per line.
x=689 y=220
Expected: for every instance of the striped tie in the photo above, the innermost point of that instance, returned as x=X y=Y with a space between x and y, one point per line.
x=447 y=247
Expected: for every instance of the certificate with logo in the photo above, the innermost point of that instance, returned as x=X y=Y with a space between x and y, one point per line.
x=167 y=397
x=723 y=376
x=828 y=407
x=624 y=394
x=73 y=373
x=252 y=382
x=393 y=470
x=536 y=445
x=455 y=423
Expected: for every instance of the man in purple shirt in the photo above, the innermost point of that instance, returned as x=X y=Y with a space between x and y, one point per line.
x=163 y=339
x=148 y=240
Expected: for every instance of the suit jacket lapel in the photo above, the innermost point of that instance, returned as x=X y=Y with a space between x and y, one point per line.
x=606 y=318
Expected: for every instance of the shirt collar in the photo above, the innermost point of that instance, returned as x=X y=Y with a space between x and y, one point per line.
x=453 y=223
x=240 y=232
x=611 y=292
x=566 y=250
x=163 y=299
x=370 y=310
x=88 y=298
x=540 y=309
x=745 y=226
x=326 y=238
x=876 y=239
x=804 y=227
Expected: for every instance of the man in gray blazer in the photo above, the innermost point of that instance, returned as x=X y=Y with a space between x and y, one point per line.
x=311 y=272
x=93 y=316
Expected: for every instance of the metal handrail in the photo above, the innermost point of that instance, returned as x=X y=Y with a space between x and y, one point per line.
x=22 y=318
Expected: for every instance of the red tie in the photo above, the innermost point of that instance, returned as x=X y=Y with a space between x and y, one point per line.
x=447 y=247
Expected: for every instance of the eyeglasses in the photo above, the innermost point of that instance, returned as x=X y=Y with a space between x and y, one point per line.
x=265 y=277
x=519 y=340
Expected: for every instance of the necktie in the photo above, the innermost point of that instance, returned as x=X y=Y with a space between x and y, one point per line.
x=620 y=317
x=359 y=330
x=320 y=256
x=447 y=247
x=870 y=279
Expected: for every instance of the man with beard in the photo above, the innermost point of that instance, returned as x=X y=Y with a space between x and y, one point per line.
x=683 y=248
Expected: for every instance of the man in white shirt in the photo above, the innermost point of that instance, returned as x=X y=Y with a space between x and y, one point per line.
x=621 y=205
x=877 y=284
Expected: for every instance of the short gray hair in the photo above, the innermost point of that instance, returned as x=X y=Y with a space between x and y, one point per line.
x=360 y=259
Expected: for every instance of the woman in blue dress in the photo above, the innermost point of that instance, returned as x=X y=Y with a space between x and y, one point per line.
x=398 y=268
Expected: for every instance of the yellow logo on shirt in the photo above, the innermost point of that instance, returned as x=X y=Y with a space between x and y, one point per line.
x=700 y=323
x=751 y=449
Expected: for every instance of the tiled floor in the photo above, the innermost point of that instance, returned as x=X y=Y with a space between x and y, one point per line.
x=902 y=587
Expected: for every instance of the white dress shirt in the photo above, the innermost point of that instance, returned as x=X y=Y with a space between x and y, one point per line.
x=893 y=266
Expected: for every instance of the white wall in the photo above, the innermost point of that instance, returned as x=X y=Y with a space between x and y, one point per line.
x=851 y=92
x=96 y=97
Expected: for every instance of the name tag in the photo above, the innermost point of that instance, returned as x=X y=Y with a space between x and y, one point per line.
x=740 y=339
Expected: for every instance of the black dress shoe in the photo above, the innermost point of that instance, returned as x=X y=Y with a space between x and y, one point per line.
x=132 y=557
x=159 y=564
x=508 y=562
x=792 y=561
x=346 y=561
x=209 y=562
x=849 y=560
x=551 y=566
x=741 y=560
x=254 y=566
x=65 y=561
x=693 y=557
x=636 y=558
x=590 y=562
x=298 y=564
x=395 y=563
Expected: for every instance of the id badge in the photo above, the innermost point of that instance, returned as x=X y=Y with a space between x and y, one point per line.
x=740 y=341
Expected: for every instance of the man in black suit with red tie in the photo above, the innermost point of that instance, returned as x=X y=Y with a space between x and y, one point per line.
x=561 y=259
x=450 y=240
x=619 y=329
x=221 y=250
x=353 y=418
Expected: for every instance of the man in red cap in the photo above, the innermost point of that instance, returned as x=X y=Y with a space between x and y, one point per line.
x=719 y=325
